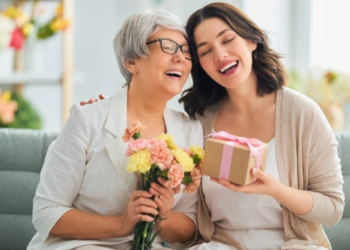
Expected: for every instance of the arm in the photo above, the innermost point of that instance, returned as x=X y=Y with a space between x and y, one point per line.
x=325 y=180
x=60 y=182
x=82 y=225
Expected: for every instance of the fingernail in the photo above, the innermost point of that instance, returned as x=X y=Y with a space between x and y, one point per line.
x=254 y=171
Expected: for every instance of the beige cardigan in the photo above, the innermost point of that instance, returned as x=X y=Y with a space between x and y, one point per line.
x=307 y=158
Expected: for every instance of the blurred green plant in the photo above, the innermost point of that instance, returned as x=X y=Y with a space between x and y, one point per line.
x=25 y=117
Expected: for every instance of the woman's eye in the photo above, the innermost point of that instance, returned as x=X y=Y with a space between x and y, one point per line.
x=204 y=53
x=227 y=41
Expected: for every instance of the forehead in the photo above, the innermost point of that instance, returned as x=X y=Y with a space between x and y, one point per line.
x=209 y=28
x=175 y=35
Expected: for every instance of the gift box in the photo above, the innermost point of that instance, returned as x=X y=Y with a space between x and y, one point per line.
x=232 y=158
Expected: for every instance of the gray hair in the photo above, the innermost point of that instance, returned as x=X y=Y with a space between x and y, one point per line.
x=130 y=41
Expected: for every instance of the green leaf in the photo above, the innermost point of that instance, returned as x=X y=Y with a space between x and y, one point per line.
x=196 y=159
x=187 y=179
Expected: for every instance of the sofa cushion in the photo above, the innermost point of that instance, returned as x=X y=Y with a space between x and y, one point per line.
x=22 y=155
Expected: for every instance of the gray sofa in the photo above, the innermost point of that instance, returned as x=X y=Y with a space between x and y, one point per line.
x=22 y=153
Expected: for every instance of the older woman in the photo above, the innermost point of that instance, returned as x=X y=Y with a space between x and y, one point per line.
x=86 y=199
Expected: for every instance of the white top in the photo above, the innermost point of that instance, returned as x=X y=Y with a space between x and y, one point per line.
x=85 y=169
x=255 y=221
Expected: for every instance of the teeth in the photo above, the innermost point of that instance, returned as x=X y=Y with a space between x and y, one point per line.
x=174 y=73
x=228 y=66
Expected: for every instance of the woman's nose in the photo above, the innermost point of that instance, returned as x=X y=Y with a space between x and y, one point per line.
x=220 y=54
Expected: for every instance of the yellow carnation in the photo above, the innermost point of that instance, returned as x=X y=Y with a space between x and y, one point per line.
x=198 y=151
x=169 y=139
x=139 y=161
x=184 y=159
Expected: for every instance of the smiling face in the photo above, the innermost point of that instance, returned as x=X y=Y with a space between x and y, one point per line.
x=160 y=72
x=223 y=54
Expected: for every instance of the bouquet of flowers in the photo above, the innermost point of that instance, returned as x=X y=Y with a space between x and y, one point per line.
x=160 y=157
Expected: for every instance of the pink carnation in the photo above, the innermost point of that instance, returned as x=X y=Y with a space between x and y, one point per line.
x=188 y=151
x=175 y=175
x=196 y=181
x=136 y=146
x=160 y=154
x=191 y=188
x=196 y=176
x=129 y=132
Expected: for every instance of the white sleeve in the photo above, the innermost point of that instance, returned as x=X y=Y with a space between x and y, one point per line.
x=188 y=203
x=62 y=172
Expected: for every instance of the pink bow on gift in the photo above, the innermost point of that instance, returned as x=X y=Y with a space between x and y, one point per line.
x=252 y=143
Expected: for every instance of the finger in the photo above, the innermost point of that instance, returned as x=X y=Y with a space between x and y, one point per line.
x=160 y=189
x=162 y=205
x=144 y=217
x=102 y=97
x=145 y=202
x=92 y=100
x=259 y=174
x=138 y=194
x=166 y=184
x=145 y=210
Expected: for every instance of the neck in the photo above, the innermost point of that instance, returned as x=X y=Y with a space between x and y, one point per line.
x=144 y=106
x=244 y=98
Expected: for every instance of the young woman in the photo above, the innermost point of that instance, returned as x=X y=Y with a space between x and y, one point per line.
x=238 y=87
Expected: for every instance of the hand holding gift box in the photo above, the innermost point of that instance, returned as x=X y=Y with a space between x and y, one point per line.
x=232 y=158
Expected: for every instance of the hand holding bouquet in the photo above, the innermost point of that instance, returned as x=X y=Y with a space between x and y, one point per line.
x=160 y=157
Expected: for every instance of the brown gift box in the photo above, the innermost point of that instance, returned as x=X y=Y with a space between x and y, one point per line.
x=241 y=162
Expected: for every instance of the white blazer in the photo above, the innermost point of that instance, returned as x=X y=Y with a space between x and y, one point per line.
x=85 y=169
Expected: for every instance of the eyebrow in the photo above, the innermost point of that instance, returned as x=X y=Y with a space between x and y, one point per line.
x=205 y=43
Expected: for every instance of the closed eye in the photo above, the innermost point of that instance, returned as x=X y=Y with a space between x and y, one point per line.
x=203 y=54
x=228 y=40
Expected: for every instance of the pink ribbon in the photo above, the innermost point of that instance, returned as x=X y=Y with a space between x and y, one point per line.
x=253 y=144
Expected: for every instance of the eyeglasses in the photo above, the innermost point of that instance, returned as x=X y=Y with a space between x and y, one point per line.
x=170 y=47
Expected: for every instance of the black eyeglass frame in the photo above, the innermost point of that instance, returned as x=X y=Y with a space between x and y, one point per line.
x=176 y=49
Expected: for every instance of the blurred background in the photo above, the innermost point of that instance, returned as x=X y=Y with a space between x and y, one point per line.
x=56 y=53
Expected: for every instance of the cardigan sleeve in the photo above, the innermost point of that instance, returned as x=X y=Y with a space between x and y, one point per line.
x=62 y=173
x=325 y=180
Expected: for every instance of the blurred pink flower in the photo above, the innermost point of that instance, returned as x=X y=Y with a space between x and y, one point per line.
x=160 y=154
x=191 y=188
x=188 y=151
x=196 y=176
x=136 y=146
x=129 y=132
x=17 y=39
x=175 y=175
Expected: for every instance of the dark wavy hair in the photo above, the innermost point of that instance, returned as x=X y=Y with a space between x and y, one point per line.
x=205 y=92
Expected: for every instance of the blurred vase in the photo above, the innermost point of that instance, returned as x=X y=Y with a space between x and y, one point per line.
x=346 y=106
x=34 y=57
x=7 y=57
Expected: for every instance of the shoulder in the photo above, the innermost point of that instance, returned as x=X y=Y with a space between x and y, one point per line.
x=299 y=103
x=183 y=120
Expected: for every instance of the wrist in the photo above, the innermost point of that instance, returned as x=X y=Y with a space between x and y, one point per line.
x=161 y=223
x=117 y=228
x=279 y=191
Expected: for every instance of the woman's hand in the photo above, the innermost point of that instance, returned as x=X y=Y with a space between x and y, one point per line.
x=265 y=184
x=163 y=196
x=140 y=208
x=92 y=100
